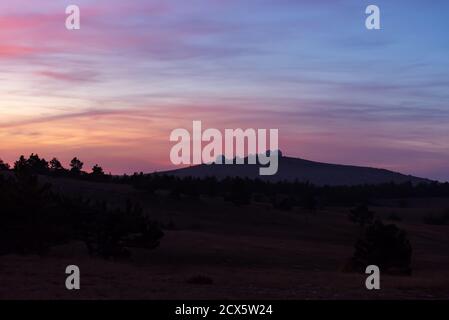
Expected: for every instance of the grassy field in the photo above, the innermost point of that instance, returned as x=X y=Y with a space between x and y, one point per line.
x=213 y=249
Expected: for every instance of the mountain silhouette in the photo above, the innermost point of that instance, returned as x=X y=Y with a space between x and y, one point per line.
x=292 y=169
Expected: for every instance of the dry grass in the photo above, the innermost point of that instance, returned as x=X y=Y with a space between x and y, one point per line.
x=247 y=252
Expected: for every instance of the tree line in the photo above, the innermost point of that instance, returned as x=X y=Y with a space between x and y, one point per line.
x=34 y=218
x=37 y=165
x=283 y=195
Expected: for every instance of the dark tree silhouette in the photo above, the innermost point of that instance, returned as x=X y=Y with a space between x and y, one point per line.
x=97 y=170
x=55 y=165
x=283 y=203
x=3 y=165
x=385 y=246
x=76 y=166
x=309 y=202
x=361 y=215
x=239 y=194
x=33 y=219
x=440 y=219
x=21 y=164
x=37 y=164
x=32 y=164
x=29 y=220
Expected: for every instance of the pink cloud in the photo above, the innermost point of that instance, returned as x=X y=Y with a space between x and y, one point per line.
x=75 y=76
x=14 y=51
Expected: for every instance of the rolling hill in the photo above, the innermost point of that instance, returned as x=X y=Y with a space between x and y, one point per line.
x=291 y=169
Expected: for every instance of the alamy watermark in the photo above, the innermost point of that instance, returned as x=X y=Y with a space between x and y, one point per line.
x=373 y=280
x=72 y=282
x=372 y=22
x=73 y=20
x=206 y=147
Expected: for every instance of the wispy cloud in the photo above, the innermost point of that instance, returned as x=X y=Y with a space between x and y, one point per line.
x=138 y=69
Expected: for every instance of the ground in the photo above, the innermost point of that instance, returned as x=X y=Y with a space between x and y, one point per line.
x=248 y=252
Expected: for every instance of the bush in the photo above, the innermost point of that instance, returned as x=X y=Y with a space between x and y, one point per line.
x=110 y=233
x=385 y=246
x=437 y=219
x=283 y=203
x=394 y=217
x=361 y=215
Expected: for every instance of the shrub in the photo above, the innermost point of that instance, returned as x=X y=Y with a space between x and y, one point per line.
x=283 y=203
x=385 y=246
x=437 y=219
x=361 y=215
x=110 y=233
x=393 y=216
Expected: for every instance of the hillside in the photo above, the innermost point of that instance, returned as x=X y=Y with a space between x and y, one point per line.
x=291 y=169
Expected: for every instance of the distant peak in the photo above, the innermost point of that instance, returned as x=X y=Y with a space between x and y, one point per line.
x=222 y=158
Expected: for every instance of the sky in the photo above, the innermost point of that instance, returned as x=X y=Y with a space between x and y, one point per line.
x=111 y=92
